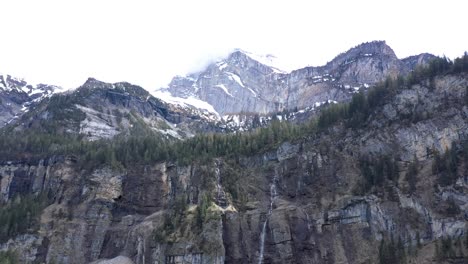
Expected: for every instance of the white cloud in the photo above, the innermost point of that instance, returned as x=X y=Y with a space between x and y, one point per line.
x=148 y=42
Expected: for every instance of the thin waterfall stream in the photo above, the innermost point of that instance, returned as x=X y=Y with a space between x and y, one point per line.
x=273 y=195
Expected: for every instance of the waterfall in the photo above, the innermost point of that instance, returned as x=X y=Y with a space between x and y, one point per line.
x=308 y=221
x=273 y=194
x=221 y=199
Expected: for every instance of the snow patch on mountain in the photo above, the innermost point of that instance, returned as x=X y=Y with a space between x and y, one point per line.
x=190 y=102
x=222 y=65
x=318 y=104
x=235 y=77
x=252 y=91
x=224 y=89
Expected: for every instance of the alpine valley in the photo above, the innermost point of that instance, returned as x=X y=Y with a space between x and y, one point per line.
x=362 y=160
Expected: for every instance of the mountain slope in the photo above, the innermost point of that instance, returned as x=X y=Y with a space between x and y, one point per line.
x=99 y=110
x=381 y=179
x=241 y=84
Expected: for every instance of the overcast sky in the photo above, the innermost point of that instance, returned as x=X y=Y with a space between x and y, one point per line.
x=148 y=42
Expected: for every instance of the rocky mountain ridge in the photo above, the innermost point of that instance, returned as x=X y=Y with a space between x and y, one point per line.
x=244 y=85
x=241 y=84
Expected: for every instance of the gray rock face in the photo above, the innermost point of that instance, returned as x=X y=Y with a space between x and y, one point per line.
x=240 y=84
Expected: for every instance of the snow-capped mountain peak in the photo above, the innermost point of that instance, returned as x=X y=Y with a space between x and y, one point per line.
x=234 y=76
x=18 y=95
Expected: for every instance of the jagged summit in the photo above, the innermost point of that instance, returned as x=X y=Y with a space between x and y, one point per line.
x=94 y=83
x=367 y=49
x=123 y=88
x=269 y=60
x=375 y=47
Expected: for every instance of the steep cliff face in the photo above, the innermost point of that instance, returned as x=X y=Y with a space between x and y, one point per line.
x=240 y=83
x=305 y=201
